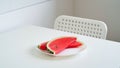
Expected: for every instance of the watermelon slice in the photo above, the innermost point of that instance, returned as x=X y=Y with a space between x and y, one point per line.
x=75 y=44
x=42 y=46
x=57 y=45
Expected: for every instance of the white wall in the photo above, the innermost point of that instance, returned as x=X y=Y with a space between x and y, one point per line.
x=10 y=5
x=64 y=7
x=104 y=10
x=41 y=14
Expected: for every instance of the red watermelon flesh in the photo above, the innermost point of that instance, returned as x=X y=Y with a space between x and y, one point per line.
x=59 y=44
x=75 y=44
x=42 y=46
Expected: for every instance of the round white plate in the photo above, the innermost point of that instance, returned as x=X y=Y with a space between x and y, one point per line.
x=66 y=52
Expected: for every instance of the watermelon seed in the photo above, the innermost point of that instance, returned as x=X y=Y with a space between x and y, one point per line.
x=56 y=46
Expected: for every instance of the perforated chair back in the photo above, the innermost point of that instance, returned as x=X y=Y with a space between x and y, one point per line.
x=82 y=26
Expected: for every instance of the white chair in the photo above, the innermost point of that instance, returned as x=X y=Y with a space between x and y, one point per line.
x=82 y=26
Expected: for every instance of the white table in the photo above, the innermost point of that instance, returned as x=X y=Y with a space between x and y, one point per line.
x=17 y=50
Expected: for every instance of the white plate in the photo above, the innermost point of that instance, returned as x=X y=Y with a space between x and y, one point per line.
x=66 y=52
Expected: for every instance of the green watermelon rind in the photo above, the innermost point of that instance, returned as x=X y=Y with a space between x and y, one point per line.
x=50 y=50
